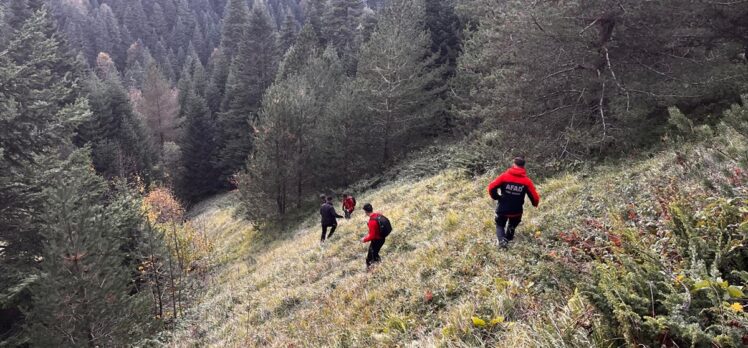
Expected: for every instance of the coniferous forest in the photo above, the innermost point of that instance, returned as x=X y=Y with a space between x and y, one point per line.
x=123 y=122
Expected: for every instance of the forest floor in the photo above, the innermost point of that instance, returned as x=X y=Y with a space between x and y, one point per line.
x=443 y=281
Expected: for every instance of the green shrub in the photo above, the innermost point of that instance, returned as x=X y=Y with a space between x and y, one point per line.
x=679 y=287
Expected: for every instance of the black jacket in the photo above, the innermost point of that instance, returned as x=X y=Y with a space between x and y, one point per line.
x=513 y=185
x=327 y=211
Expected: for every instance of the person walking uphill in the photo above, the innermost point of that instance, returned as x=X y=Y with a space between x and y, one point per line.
x=510 y=189
x=379 y=229
x=329 y=218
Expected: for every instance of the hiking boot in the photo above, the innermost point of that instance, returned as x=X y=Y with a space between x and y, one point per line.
x=503 y=244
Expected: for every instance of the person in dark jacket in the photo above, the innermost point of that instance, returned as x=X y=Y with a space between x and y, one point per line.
x=349 y=204
x=374 y=236
x=510 y=189
x=329 y=218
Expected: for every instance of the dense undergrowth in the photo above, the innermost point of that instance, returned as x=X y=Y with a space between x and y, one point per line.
x=649 y=252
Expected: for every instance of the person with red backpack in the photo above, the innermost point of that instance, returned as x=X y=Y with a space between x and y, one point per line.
x=349 y=204
x=379 y=229
x=510 y=189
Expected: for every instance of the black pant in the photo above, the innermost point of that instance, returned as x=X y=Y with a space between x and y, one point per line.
x=501 y=225
x=347 y=213
x=324 y=231
x=373 y=256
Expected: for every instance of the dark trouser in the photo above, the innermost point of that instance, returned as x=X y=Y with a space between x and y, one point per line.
x=373 y=256
x=501 y=226
x=324 y=231
x=347 y=213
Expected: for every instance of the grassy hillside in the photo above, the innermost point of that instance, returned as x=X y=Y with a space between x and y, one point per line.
x=572 y=278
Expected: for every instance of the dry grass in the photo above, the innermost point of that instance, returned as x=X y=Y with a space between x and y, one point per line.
x=440 y=269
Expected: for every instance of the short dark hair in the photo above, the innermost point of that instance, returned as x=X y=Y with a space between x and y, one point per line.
x=368 y=208
x=519 y=161
x=329 y=198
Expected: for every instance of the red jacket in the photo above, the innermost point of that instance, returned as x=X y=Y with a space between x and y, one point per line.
x=349 y=204
x=514 y=185
x=373 y=229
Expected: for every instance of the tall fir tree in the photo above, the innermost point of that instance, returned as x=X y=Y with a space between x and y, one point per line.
x=119 y=140
x=18 y=11
x=287 y=34
x=292 y=139
x=252 y=71
x=235 y=24
x=314 y=14
x=342 y=21
x=306 y=45
x=40 y=109
x=198 y=178
x=84 y=296
x=218 y=68
x=137 y=22
x=444 y=26
x=394 y=79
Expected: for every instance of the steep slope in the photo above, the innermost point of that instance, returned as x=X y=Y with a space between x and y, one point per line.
x=443 y=282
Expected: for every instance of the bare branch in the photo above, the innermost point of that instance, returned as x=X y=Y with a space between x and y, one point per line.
x=562 y=72
x=615 y=79
x=589 y=26
x=550 y=111
x=535 y=20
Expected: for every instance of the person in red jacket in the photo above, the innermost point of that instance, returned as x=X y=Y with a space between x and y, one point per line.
x=510 y=189
x=349 y=204
x=374 y=236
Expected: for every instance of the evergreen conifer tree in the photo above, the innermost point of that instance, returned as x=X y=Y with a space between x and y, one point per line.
x=119 y=141
x=235 y=23
x=394 y=78
x=252 y=71
x=83 y=296
x=288 y=32
x=40 y=109
x=198 y=178
x=305 y=46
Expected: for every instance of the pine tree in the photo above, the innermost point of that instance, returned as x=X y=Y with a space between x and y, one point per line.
x=252 y=71
x=158 y=21
x=18 y=11
x=218 y=67
x=394 y=78
x=314 y=14
x=288 y=33
x=444 y=26
x=306 y=46
x=136 y=21
x=119 y=141
x=84 y=296
x=291 y=140
x=40 y=109
x=235 y=24
x=275 y=162
x=198 y=178
x=342 y=22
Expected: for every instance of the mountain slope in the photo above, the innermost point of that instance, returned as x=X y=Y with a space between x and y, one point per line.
x=443 y=282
